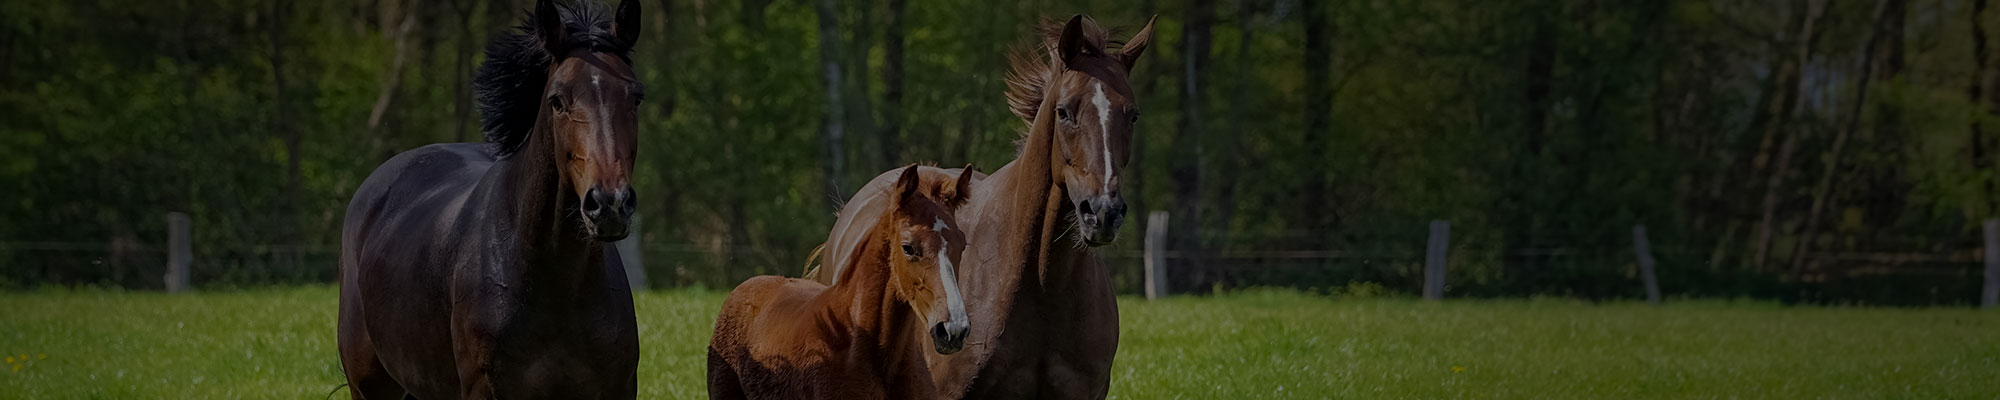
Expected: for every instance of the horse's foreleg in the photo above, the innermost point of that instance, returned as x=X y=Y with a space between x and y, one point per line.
x=723 y=384
x=366 y=378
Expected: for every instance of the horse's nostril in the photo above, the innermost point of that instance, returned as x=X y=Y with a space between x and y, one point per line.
x=1084 y=208
x=938 y=332
x=591 y=205
x=628 y=201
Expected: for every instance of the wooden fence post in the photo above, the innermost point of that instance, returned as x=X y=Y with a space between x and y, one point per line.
x=1156 y=255
x=1991 y=297
x=1644 y=249
x=180 y=252
x=633 y=256
x=1434 y=259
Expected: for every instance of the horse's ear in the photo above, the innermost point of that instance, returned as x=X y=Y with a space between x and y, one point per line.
x=549 y=26
x=1073 y=42
x=906 y=187
x=1130 y=54
x=626 y=25
x=961 y=192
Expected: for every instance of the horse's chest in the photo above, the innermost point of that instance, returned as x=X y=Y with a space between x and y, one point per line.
x=1053 y=349
x=576 y=354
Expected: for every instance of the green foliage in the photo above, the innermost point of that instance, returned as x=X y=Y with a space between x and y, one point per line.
x=1543 y=130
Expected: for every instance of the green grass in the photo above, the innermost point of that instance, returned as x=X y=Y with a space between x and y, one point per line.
x=278 y=343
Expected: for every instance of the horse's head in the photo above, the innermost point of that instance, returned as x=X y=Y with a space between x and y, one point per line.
x=1095 y=111
x=921 y=271
x=591 y=107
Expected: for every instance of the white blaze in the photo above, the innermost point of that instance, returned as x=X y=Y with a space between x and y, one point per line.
x=1104 y=124
x=952 y=299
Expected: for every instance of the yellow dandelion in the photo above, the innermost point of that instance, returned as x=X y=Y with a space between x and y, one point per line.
x=43 y=356
x=10 y=359
x=1457 y=369
x=17 y=367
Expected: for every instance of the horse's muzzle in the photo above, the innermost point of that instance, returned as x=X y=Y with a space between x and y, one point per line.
x=1098 y=219
x=949 y=336
x=609 y=212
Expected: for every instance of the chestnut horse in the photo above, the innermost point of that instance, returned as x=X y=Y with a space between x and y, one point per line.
x=861 y=338
x=1046 y=320
x=472 y=270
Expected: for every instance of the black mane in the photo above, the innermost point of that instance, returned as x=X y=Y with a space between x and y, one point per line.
x=508 y=86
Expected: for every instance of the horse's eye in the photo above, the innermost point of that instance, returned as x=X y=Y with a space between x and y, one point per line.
x=1135 y=116
x=1062 y=112
x=909 y=250
x=556 y=103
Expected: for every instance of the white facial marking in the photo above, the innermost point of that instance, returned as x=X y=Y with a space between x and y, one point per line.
x=953 y=301
x=1103 y=123
x=939 y=225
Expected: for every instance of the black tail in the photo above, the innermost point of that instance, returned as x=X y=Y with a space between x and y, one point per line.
x=336 y=389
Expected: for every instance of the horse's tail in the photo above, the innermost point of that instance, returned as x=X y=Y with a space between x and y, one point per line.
x=336 y=389
x=812 y=263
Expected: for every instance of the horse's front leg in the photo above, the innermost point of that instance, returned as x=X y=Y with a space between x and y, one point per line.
x=472 y=348
x=475 y=374
x=476 y=388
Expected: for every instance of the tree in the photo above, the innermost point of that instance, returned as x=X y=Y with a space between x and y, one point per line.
x=1187 y=169
x=832 y=141
x=1888 y=30
x=892 y=85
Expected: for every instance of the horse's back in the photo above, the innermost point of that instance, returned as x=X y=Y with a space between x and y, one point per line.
x=418 y=177
x=759 y=347
x=417 y=190
x=757 y=301
x=866 y=207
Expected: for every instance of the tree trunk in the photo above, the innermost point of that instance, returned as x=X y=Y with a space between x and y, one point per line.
x=1221 y=202
x=834 y=123
x=1319 y=115
x=1519 y=209
x=1187 y=162
x=663 y=59
x=393 y=82
x=282 y=124
x=892 y=85
x=1888 y=27
x=1779 y=112
x=860 y=119
x=461 y=97
x=1977 y=93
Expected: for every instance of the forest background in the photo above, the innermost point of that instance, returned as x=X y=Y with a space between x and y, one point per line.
x=1800 y=150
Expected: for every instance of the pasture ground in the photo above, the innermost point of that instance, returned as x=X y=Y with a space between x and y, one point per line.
x=279 y=343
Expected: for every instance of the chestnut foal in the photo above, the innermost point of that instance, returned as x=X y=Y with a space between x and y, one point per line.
x=861 y=338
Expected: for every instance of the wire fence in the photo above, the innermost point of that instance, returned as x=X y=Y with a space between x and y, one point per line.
x=1887 y=270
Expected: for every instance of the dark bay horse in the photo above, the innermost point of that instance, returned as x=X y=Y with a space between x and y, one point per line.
x=477 y=270
x=1045 y=322
x=862 y=338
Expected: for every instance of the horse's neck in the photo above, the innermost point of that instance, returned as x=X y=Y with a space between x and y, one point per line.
x=528 y=200
x=862 y=298
x=1027 y=202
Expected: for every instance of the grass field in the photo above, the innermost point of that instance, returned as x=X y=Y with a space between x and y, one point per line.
x=279 y=343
